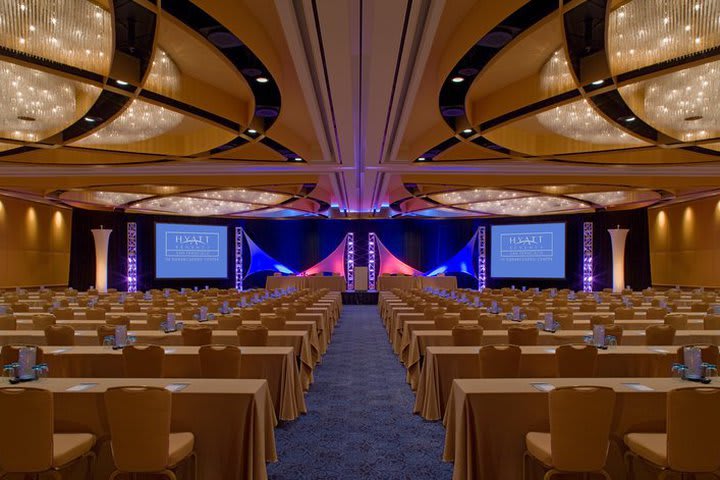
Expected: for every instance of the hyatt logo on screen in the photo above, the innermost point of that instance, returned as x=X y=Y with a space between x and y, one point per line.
x=192 y=245
x=526 y=245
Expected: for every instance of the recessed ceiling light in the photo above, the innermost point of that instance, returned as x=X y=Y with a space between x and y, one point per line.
x=458 y=79
x=297 y=159
x=89 y=119
x=262 y=80
x=468 y=130
x=629 y=119
x=421 y=159
x=252 y=131
x=121 y=82
x=598 y=82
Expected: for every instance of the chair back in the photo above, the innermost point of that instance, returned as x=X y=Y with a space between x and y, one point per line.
x=560 y=302
x=139 y=420
x=196 y=335
x=131 y=307
x=531 y=313
x=432 y=312
x=229 y=322
x=656 y=313
x=660 y=335
x=220 y=361
x=467 y=335
x=116 y=321
x=42 y=320
x=8 y=322
x=20 y=307
x=565 y=320
x=500 y=361
x=601 y=320
x=144 y=361
x=273 y=322
x=522 y=335
x=453 y=307
x=576 y=361
x=677 y=320
x=446 y=321
x=693 y=420
x=709 y=353
x=188 y=313
x=60 y=335
x=64 y=313
x=615 y=331
x=266 y=307
x=580 y=421
x=588 y=306
x=252 y=335
x=95 y=313
x=699 y=307
x=154 y=320
x=26 y=415
x=288 y=313
x=711 y=322
x=488 y=321
x=250 y=314
x=105 y=331
x=469 y=313
x=9 y=353
x=624 y=313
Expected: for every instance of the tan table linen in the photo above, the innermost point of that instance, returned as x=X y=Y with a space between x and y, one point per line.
x=284 y=282
x=442 y=283
x=232 y=421
x=442 y=365
x=487 y=419
x=275 y=364
x=335 y=283
x=388 y=282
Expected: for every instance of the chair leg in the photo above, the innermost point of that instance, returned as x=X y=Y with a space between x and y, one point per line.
x=92 y=458
x=526 y=456
x=629 y=458
x=195 y=465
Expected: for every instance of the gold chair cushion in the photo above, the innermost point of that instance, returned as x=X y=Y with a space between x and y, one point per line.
x=68 y=447
x=181 y=445
x=538 y=445
x=650 y=446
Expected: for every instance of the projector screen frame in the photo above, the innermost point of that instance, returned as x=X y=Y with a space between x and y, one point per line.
x=226 y=278
x=489 y=241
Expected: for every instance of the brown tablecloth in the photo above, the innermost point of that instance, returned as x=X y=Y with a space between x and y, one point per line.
x=285 y=282
x=232 y=421
x=275 y=364
x=389 y=282
x=441 y=283
x=336 y=283
x=442 y=365
x=487 y=420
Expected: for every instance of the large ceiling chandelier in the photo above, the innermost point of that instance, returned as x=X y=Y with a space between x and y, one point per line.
x=164 y=76
x=555 y=75
x=103 y=198
x=193 y=206
x=36 y=104
x=72 y=32
x=475 y=195
x=538 y=205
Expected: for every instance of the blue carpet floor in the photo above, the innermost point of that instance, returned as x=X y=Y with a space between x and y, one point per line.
x=360 y=423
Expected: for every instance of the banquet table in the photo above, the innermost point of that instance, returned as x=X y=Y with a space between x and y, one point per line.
x=441 y=283
x=389 y=282
x=297 y=339
x=275 y=364
x=487 y=419
x=335 y=283
x=442 y=365
x=232 y=421
x=284 y=282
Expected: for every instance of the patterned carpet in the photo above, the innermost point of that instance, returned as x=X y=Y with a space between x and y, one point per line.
x=360 y=423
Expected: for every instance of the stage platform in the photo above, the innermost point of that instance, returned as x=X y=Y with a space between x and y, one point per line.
x=360 y=298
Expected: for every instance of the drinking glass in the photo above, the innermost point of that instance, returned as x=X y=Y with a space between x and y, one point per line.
x=9 y=371
x=131 y=339
x=611 y=341
x=678 y=370
x=711 y=370
x=109 y=341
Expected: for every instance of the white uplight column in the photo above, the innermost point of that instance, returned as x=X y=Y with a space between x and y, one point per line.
x=618 y=237
x=102 y=238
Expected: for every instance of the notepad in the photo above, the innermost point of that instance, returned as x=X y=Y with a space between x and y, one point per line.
x=659 y=350
x=176 y=387
x=639 y=387
x=59 y=350
x=81 y=387
x=169 y=350
x=543 y=387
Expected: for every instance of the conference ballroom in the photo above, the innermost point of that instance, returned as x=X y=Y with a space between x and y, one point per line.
x=359 y=239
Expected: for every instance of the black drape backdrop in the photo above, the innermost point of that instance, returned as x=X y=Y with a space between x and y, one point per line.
x=423 y=244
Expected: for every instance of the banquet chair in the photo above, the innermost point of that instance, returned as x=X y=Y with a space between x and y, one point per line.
x=616 y=331
x=229 y=322
x=159 y=302
x=63 y=313
x=219 y=361
x=601 y=320
x=8 y=322
x=20 y=307
x=576 y=361
x=286 y=312
x=133 y=307
x=155 y=320
x=196 y=335
x=140 y=437
x=660 y=335
x=500 y=361
x=657 y=302
x=624 y=313
x=143 y=361
x=579 y=437
x=469 y=313
x=62 y=302
x=273 y=322
x=432 y=312
x=656 y=313
x=531 y=313
x=95 y=314
x=188 y=313
x=565 y=320
x=522 y=336
x=42 y=320
x=250 y=314
x=446 y=321
x=588 y=306
x=252 y=335
x=467 y=335
x=33 y=448
x=699 y=307
x=690 y=443
x=708 y=352
x=9 y=353
x=105 y=305
x=118 y=321
x=490 y=322
x=266 y=307
x=677 y=320
x=59 y=335
x=453 y=307
x=105 y=331
x=560 y=302
x=711 y=322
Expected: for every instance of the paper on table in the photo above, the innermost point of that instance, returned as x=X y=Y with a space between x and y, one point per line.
x=639 y=387
x=543 y=387
x=80 y=387
x=176 y=387
x=59 y=350
x=659 y=350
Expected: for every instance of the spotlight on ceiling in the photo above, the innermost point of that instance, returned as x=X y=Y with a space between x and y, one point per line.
x=421 y=159
x=262 y=80
x=598 y=82
x=251 y=131
x=90 y=119
x=297 y=159
x=458 y=79
x=629 y=119
x=122 y=82
x=468 y=131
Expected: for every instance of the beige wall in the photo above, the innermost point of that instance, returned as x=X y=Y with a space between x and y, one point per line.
x=685 y=243
x=34 y=243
